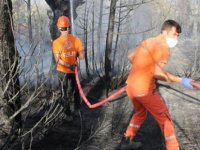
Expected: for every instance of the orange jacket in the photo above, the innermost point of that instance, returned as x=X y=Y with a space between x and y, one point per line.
x=147 y=54
x=67 y=48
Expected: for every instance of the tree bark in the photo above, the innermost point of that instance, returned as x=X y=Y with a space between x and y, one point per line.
x=109 y=40
x=30 y=34
x=9 y=82
x=93 y=17
x=117 y=37
x=99 y=30
x=85 y=28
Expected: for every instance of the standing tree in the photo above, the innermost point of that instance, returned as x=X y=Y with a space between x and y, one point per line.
x=99 y=30
x=85 y=38
x=30 y=34
x=9 y=82
x=109 y=40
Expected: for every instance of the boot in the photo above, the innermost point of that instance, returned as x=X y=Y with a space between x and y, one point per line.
x=130 y=145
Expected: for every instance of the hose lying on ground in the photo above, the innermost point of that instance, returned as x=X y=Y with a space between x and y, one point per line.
x=100 y=103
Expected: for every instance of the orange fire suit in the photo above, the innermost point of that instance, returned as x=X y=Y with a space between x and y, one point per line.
x=68 y=48
x=141 y=90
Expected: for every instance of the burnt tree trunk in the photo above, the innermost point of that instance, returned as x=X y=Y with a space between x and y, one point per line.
x=85 y=38
x=9 y=82
x=30 y=33
x=109 y=41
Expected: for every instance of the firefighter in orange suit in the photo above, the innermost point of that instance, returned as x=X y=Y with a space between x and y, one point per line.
x=66 y=49
x=147 y=66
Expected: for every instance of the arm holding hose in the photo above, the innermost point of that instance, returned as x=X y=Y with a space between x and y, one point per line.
x=162 y=75
x=63 y=63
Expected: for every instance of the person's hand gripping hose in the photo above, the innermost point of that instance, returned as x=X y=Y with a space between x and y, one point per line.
x=186 y=82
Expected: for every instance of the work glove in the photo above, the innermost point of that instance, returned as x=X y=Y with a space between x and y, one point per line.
x=185 y=82
x=72 y=67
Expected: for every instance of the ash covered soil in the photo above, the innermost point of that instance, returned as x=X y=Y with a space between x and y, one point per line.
x=103 y=128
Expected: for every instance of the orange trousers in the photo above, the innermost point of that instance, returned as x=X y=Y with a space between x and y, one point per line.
x=155 y=105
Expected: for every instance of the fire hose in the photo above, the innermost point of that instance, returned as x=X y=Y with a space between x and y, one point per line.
x=195 y=84
x=113 y=96
x=100 y=103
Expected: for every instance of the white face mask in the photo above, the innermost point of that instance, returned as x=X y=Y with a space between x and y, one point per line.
x=171 y=42
x=65 y=32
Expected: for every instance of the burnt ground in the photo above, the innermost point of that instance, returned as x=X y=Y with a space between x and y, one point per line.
x=103 y=128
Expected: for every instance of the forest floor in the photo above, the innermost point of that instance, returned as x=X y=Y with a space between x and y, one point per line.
x=103 y=128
